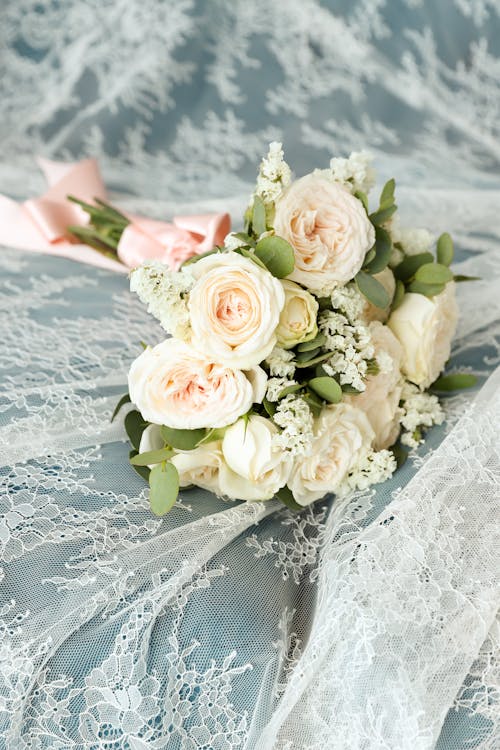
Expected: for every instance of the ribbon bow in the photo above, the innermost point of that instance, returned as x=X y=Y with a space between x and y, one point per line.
x=41 y=223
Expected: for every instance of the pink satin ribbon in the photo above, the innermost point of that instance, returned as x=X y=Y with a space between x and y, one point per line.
x=41 y=223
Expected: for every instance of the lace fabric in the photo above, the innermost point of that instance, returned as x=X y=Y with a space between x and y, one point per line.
x=361 y=624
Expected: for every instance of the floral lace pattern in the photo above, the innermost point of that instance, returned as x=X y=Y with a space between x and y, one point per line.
x=64 y=94
x=185 y=653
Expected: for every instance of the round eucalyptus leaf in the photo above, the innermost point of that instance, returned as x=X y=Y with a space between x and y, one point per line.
x=372 y=290
x=183 y=440
x=408 y=267
x=277 y=255
x=327 y=388
x=445 y=250
x=433 y=273
x=454 y=382
x=151 y=457
x=164 y=488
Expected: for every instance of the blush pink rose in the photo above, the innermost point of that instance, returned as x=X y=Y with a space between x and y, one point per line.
x=329 y=230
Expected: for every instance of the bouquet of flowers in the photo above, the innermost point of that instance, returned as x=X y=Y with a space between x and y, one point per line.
x=302 y=352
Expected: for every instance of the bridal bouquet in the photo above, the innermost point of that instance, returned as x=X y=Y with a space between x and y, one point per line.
x=302 y=352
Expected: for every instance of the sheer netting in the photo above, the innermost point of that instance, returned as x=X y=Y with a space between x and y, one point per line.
x=362 y=624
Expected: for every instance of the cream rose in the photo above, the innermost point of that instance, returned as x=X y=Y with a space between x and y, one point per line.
x=380 y=400
x=372 y=312
x=298 y=318
x=206 y=467
x=425 y=327
x=174 y=385
x=342 y=437
x=250 y=453
x=200 y=466
x=234 y=309
x=328 y=228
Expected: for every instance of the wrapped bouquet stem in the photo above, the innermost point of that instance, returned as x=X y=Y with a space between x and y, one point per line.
x=304 y=355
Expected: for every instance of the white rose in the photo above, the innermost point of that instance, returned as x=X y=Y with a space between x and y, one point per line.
x=328 y=228
x=258 y=380
x=380 y=400
x=425 y=327
x=298 y=318
x=234 y=309
x=250 y=453
x=172 y=384
x=200 y=466
x=343 y=436
x=372 y=312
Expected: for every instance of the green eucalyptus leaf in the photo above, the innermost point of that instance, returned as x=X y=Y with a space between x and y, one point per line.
x=164 y=488
x=134 y=427
x=410 y=265
x=269 y=406
x=383 y=249
x=325 y=303
x=285 y=496
x=307 y=355
x=277 y=255
x=183 y=440
x=124 y=400
x=151 y=457
x=216 y=433
x=314 y=402
x=399 y=294
x=196 y=258
x=460 y=277
x=372 y=290
x=433 y=273
x=454 y=382
x=369 y=256
x=244 y=237
x=258 y=216
x=318 y=340
x=361 y=196
x=428 y=290
x=400 y=454
x=349 y=389
x=290 y=389
x=310 y=362
x=326 y=388
x=445 y=250
x=387 y=194
x=143 y=471
x=383 y=214
x=246 y=253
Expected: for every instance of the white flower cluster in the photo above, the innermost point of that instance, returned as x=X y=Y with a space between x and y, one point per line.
x=355 y=172
x=349 y=301
x=352 y=348
x=163 y=291
x=375 y=467
x=412 y=240
x=385 y=362
x=275 y=386
x=280 y=363
x=420 y=409
x=274 y=174
x=296 y=420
